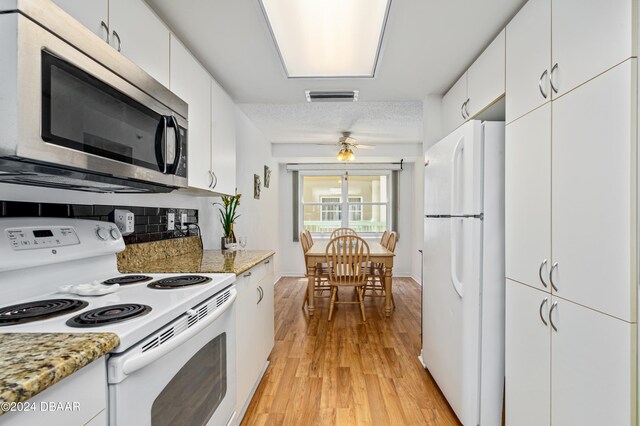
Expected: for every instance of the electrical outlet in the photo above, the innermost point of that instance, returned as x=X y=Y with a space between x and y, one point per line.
x=171 y=221
x=183 y=219
x=124 y=220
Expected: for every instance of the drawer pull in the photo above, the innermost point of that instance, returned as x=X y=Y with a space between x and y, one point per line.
x=248 y=274
x=267 y=262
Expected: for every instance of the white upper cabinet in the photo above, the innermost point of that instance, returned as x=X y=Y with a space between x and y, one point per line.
x=141 y=36
x=528 y=199
x=528 y=59
x=129 y=26
x=90 y=13
x=485 y=77
x=223 y=140
x=589 y=37
x=476 y=89
x=453 y=103
x=191 y=82
x=594 y=193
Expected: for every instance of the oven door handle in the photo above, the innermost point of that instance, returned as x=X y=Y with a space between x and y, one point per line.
x=122 y=366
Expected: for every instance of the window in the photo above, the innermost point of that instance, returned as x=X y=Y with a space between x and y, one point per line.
x=325 y=197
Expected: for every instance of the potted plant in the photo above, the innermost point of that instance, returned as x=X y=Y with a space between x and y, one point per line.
x=228 y=215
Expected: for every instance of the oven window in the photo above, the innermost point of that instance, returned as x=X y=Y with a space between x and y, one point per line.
x=83 y=113
x=196 y=391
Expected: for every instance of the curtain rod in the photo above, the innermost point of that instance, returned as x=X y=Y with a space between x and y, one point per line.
x=345 y=166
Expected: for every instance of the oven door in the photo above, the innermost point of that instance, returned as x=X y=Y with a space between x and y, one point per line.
x=77 y=113
x=182 y=375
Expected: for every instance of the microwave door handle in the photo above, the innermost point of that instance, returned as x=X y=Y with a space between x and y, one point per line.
x=178 y=147
x=161 y=136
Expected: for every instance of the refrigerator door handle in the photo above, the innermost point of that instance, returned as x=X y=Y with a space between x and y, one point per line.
x=457 y=284
x=457 y=151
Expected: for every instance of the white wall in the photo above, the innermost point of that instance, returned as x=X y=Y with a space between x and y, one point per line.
x=290 y=253
x=432 y=131
x=259 y=220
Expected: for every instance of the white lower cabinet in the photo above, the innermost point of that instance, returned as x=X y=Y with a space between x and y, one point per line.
x=79 y=399
x=593 y=360
x=255 y=329
x=527 y=360
x=566 y=364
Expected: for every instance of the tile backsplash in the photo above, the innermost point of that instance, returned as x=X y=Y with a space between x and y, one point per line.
x=150 y=222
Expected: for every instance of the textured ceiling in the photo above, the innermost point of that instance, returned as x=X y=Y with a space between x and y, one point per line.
x=427 y=45
x=368 y=122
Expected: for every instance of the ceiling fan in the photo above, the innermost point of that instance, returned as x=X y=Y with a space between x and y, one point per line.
x=347 y=144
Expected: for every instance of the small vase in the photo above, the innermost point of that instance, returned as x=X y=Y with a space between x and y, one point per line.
x=230 y=235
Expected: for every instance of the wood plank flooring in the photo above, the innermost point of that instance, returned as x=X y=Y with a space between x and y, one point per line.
x=345 y=372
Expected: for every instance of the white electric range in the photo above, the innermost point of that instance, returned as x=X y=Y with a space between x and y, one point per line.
x=169 y=325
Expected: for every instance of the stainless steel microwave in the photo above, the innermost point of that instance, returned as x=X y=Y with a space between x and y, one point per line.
x=76 y=114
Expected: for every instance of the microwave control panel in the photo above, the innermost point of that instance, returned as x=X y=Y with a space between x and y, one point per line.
x=42 y=237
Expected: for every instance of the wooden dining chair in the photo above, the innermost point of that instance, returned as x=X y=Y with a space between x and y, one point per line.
x=343 y=231
x=375 y=284
x=321 y=287
x=347 y=258
x=385 y=238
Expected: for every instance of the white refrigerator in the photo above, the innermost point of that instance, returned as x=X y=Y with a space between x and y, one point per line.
x=463 y=297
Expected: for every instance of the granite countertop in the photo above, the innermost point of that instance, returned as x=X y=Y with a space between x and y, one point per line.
x=31 y=362
x=185 y=255
x=207 y=261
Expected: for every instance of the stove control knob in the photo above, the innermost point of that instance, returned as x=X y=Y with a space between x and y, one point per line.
x=115 y=235
x=102 y=233
x=192 y=312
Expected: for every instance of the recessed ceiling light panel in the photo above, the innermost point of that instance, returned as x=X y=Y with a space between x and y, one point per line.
x=327 y=38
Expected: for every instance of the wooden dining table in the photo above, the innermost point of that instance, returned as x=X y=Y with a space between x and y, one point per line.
x=377 y=254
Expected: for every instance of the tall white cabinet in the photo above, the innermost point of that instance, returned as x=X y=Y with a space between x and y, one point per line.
x=571 y=214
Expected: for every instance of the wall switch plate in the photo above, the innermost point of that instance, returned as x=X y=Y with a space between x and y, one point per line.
x=124 y=220
x=171 y=221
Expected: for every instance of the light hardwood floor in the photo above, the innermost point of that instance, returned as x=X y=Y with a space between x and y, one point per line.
x=345 y=372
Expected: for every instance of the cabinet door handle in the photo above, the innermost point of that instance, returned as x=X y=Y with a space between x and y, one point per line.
x=106 y=28
x=544 y=95
x=553 y=86
x=215 y=177
x=261 y=294
x=466 y=107
x=553 y=286
x=555 y=304
x=544 y=262
x=248 y=274
x=210 y=179
x=462 y=110
x=115 y=34
x=267 y=262
x=540 y=311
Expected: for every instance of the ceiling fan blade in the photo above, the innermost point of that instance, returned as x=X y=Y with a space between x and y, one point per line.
x=361 y=146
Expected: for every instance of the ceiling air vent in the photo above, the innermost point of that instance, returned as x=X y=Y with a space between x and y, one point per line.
x=334 y=96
